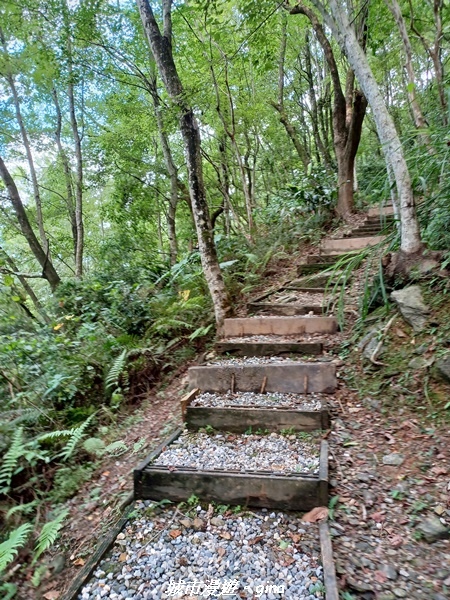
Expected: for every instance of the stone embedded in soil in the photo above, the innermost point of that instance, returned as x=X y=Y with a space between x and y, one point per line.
x=433 y=530
x=442 y=368
x=393 y=459
x=411 y=306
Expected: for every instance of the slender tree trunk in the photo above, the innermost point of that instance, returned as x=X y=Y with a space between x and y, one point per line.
x=171 y=170
x=161 y=48
x=79 y=177
x=67 y=173
x=348 y=117
x=321 y=146
x=434 y=51
x=419 y=119
x=48 y=271
x=342 y=30
x=279 y=105
x=26 y=143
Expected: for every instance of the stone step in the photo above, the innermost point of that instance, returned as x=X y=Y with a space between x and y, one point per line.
x=288 y=309
x=273 y=348
x=379 y=221
x=338 y=246
x=278 y=326
x=377 y=211
x=290 y=377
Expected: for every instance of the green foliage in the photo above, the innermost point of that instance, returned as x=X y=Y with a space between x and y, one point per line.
x=49 y=533
x=10 y=547
x=11 y=460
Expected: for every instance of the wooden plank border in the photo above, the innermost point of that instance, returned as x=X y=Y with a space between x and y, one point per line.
x=329 y=569
x=261 y=489
x=106 y=543
x=238 y=419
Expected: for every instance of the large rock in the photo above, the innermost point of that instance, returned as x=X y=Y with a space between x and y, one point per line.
x=412 y=307
x=442 y=369
x=433 y=530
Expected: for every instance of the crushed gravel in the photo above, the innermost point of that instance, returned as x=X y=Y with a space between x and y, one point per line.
x=273 y=400
x=244 y=553
x=274 y=453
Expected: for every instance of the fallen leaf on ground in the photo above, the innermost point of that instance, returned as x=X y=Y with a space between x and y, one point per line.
x=396 y=541
x=378 y=517
x=316 y=514
x=123 y=557
x=79 y=562
x=439 y=470
x=174 y=533
x=52 y=595
x=225 y=535
x=380 y=577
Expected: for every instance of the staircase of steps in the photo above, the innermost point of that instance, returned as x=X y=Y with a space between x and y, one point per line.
x=258 y=391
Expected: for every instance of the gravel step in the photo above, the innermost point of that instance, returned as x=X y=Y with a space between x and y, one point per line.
x=251 y=399
x=274 y=453
x=241 y=553
x=272 y=471
x=251 y=412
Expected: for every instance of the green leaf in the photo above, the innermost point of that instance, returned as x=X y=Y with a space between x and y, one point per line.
x=10 y=548
x=49 y=534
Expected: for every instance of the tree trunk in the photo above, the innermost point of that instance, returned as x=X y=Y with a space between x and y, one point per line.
x=161 y=48
x=79 y=175
x=348 y=116
x=26 y=143
x=67 y=173
x=321 y=145
x=279 y=105
x=419 y=119
x=48 y=271
x=342 y=30
x=171 y=170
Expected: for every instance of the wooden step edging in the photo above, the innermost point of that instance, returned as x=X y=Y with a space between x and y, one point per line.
x=238 y=419
x=245 y=348
x=283 y=377
x=328 y=565
x=261 y=489
x=278 y=326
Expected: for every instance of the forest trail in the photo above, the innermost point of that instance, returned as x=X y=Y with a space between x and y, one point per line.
x=260 y=428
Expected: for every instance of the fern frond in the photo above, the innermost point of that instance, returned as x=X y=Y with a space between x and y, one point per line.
x=11 y=459
x=76 y=435
x=49 y=534
x=26 y=509
x=12 y=418
x=10 y=547
x=114 y=373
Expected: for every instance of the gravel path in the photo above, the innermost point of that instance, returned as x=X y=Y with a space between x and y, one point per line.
x=274 y=453
x=163 y=550
x=272 y=400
